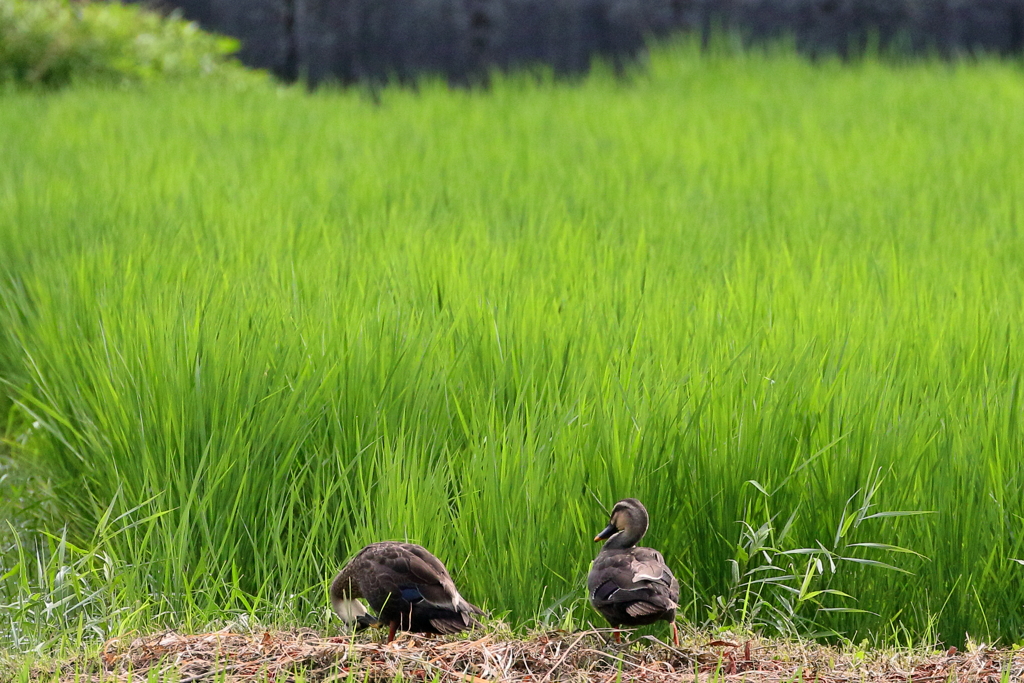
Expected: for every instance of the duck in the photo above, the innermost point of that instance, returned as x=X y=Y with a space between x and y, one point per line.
x=408 y=588
x=630 y=585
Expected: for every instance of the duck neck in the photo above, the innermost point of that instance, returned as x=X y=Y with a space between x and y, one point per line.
x=344 y=586
x=627 y=538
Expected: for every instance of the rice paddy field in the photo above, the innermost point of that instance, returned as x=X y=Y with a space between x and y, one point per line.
x=245 y=331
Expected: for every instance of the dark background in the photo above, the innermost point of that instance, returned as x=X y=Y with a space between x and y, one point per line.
x=374 y=41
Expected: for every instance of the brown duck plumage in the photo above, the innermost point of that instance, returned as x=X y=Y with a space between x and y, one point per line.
x=631 y=586
x=408 y=588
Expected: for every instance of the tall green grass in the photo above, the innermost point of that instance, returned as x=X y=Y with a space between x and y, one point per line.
x=771 y=299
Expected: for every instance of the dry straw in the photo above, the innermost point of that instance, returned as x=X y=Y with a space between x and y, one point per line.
x=303 y=655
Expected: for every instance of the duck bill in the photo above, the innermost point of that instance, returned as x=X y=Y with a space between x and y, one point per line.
x=365 y=621
x=608 y=532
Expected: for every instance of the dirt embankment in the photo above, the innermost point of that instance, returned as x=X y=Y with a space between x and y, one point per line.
x=555 y=656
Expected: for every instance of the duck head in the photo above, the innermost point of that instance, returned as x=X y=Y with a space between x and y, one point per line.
x=627 y=525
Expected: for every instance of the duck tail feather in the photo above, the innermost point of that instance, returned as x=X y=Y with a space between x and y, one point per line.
x=449 y=625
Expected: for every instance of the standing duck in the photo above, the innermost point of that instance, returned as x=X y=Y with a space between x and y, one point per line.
x=631 y=586
x=408 y=588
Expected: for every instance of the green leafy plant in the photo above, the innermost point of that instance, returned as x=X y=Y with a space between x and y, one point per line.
x=52 y=43
x=785 y=588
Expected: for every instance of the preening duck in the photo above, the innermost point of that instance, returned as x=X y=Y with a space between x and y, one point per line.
x=408 y=588
x=631 y=586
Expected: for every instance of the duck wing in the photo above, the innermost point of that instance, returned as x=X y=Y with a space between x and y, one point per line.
x=408 y=574
x=636 y=580
x=419 y=576
x=401 y=581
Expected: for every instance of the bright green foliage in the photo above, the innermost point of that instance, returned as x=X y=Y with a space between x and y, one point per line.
x=768 y=298
x=52 y=43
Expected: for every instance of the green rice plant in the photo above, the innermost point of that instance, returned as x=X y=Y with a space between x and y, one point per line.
x=263 y=328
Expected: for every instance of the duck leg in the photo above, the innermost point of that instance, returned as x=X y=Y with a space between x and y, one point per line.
x=617 y=636
x=392 y=627
x=675 y=635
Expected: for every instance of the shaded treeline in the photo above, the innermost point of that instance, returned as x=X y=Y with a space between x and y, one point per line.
x=376 y=40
